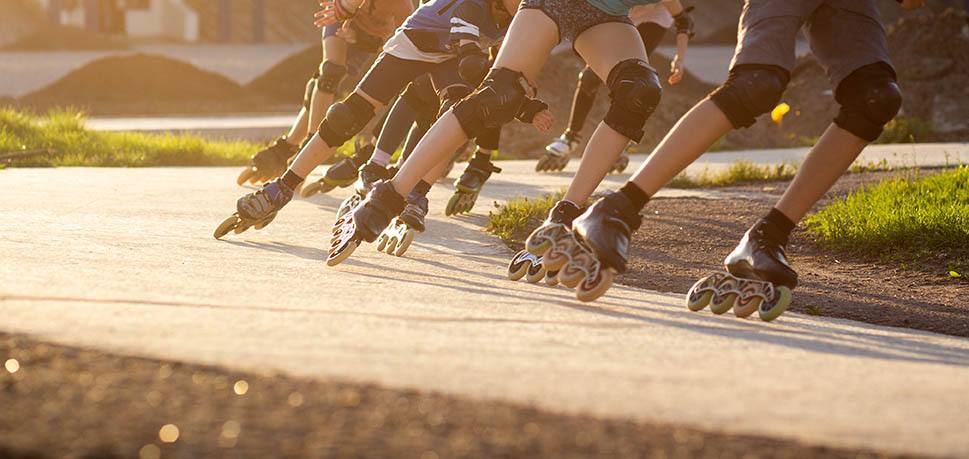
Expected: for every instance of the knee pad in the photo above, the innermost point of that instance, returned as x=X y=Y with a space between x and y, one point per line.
x=452 y=95
x=345 y=119
x=308 y=93
x=494 y=104
x=331 y=75
x=750 y=91
x=869 y=98
x=589 y=82
x=635 y=92
x=489 y=139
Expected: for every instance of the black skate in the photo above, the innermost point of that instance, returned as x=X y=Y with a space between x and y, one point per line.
x=369 y=175
x=546 y=247
x=469 y=185
x=758 y=278
x=342 y=174
x=256 y=209
x=366 y=222
x=557 y=153
x=601 y=243
x=396 y=239
x=269 y=163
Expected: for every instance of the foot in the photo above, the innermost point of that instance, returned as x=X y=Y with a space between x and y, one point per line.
x=260 y=204
x=478 y=172
x=370 y=174
x=345 y=172
x=760 y=256
x=415 y=212
x=607 y=227
x=374 y=214
x=558 y=152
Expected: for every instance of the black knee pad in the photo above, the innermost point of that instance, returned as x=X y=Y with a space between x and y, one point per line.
x=451 y=95
x=589 y=82
x=635 y=91
x=331 y=75
x=489 y=139
x=750 y=91
x=869 y=98
x=308 y=93
x=494 y=104
x=345 y=119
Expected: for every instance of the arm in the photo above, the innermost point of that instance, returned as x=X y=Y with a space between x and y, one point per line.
x=332 y=11
x=684 y=32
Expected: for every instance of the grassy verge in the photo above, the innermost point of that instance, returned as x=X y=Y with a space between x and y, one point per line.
x=513 y=220
x=902 y=220
x=71 y=144
x=736 y=173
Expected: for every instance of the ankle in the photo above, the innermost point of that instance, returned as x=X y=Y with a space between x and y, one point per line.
x=290 y=180
x=637 y=197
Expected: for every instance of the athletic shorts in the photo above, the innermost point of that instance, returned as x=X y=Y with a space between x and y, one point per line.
x=389 y=75
x=572 y=16
x=845 y=35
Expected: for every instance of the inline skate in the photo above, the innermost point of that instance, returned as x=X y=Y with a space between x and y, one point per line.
x=365 y=222
x=757 y=277
x=396 y=239
x=552 y=245
x=370 y=174
x=342 y=174
x=558 y=152
x=268 y=163
x=597 y=252
x=256 y=209
x=469 y=185
x=525 y=264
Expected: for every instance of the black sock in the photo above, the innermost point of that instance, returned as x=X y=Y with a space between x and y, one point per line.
x=636 y=195
x=481 y=157
x=422 y=188
x=780 y=224
x=290 y=180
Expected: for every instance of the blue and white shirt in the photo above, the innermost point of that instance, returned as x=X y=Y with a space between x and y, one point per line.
x=434 y=30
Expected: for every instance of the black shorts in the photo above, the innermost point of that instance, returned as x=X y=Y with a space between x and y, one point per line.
x=572 y=16
x=389 y=75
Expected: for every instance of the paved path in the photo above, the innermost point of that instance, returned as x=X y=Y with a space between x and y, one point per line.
x=123 y=260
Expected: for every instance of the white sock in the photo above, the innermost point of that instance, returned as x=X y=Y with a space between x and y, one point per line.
x=380 y=157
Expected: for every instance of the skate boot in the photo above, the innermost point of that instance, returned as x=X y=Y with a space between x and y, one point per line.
x=557 y=153
x=548 y=245
x=256 y=209
x=758 y=278
x=268 y=163
x=342 y=174
x=366 y=222
x=396 y=239
x=370 y=174
x=604 y=231
x=469 y=186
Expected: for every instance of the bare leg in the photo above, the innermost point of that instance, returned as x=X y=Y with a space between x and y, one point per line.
x=534 y=35
x=598 y=47
x=316 y=150
x=692 y=135
x=297 y=133
x=334 y=50
x=827 y=161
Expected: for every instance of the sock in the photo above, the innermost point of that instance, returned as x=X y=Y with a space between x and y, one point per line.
x=380 y=157
x=636 y=195
x=290 y=180
x=780 y=223
x=422 y=188
x=481 y=158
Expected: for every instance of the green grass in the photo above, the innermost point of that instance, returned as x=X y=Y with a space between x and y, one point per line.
x=63 y=132
x=510 y=220
x=904 y=220
x=738 y=172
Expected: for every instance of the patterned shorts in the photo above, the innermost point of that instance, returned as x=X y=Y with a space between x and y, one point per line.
x=572 y=16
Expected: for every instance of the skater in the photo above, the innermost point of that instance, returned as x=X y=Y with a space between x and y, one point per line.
x=652 y=22
x=848 y=39
x=443 y=38
x=347 y=49
x=603 y=35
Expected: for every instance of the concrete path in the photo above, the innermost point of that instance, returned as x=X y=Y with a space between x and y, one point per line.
x=123 y=260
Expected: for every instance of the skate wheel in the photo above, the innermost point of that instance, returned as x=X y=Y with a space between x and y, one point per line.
x=382 y=242
x=551 y=278
x=265 y=222
x=405 y=243
x=535 y=273
x=244 y=176
x=518 y=266
x=744 y=309
x=336 y=257
x=309 y=189
x=770 y=310
x=326 y=187
x=555 y=260
x=594 y=286
x=698 y=297
x=452 y=204
x=722 y=303
x=571 y=276
x=391 y=245
x=227 y=225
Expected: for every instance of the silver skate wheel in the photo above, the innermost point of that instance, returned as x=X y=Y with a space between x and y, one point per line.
x=518 y=265
x=770 y=310
x=595 y=286
x=535 y=273
x=722 y=303
x=227 y=225
x=700 y=294
x=405 y=243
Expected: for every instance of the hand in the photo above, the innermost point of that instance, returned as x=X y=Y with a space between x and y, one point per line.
x=331 y=12
x=911 y=4
x=347 y=33
x=543 y=120
x=676 y=70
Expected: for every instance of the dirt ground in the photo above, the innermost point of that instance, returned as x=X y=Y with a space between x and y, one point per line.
x=66 y=402
x=682 y=240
